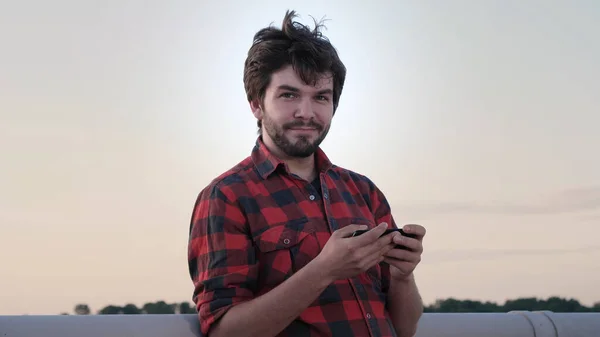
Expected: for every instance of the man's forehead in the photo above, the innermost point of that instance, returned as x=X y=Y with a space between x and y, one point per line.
x=289 y=77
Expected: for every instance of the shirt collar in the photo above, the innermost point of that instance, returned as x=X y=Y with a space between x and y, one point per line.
x=266 y=162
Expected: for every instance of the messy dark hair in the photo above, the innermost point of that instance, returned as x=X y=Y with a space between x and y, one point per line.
x=307 y=51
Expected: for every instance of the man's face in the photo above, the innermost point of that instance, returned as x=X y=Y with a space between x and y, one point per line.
x=296 y=117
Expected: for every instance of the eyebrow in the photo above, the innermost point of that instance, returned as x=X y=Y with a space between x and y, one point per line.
x=294 y=89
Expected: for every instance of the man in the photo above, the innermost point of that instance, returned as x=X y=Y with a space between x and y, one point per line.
x=271 y=251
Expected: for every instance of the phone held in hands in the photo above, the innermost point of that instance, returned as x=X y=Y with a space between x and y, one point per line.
x=387 y=231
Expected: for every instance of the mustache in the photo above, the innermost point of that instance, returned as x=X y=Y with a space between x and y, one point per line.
x=311 y=124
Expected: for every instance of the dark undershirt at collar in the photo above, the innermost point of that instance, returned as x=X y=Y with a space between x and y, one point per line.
x=316 y=183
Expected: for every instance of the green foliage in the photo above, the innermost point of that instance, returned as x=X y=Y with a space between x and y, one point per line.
x=160 y=307
x=555 y=304
x=111 y=310
x=151 y=308
x=131 y=309
x=82 y=309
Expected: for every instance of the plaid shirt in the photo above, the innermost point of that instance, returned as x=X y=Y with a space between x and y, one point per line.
x=257 y=224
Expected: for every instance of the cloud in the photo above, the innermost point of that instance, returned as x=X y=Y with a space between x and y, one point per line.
x=566 y=201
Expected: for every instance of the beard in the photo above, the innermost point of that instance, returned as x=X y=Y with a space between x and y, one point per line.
x=302 y=147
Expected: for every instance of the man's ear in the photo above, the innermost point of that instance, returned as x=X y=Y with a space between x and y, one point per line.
x=256 y=109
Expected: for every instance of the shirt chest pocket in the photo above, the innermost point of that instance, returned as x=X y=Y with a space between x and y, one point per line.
x=285 y=248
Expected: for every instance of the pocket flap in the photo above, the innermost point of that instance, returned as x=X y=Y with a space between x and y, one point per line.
x=283 y=236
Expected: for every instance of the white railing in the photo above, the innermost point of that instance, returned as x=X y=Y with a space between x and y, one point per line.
x=513 y=324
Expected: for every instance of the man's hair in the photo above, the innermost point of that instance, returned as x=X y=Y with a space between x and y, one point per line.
x=308 y=52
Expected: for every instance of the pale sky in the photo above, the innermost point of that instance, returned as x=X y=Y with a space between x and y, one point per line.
x=478 y=119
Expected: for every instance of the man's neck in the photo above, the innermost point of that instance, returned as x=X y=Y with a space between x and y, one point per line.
x=305 y=168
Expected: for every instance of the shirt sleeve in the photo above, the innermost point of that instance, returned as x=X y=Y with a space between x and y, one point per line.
x=221 y=258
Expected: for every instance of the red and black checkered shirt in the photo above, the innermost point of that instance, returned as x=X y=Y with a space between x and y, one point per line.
x=257 y=224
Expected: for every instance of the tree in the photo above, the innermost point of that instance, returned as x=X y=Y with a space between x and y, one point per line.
x=160 y=307
x=557 y=304
x=131 y=309
x=111 y=310
x=519 y=304
x=82 y=309
x=186 y=308
x=454 y=305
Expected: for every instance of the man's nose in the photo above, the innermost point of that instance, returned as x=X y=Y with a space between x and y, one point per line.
x=305 y=109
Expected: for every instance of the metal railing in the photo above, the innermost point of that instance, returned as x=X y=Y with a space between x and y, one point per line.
x=512 y=324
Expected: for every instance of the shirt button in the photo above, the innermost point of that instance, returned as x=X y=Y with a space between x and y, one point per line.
x=368 y=315
x=312 y=197
x=286 y=241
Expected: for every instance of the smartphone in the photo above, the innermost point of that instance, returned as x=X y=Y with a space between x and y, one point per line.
x=387 y=231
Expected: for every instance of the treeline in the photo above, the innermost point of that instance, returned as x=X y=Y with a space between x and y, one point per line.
x=151 y=308
x=555 y=304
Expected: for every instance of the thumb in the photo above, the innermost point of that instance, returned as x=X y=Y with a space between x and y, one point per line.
x=348 y=230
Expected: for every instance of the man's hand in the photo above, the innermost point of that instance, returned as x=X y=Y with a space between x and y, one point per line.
x=343 y=256
x=404 y=261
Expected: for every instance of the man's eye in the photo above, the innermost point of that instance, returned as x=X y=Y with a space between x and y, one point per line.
x=322 y=98
x=288 y=95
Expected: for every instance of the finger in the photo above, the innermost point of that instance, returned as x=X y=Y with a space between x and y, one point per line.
x=348 y=230
x=412 y=244
x=370 y=236
x=403 y=255
x=372 y=260
x=376 y=249
x=381 y=246
x=416 y=230
x=404 y=267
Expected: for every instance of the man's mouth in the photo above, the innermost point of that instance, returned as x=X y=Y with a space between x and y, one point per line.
x=305 y=131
